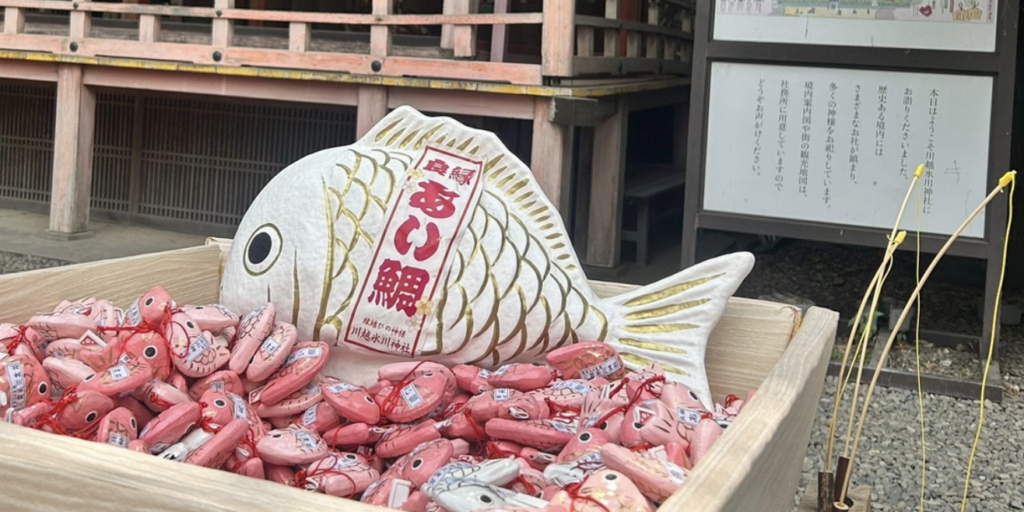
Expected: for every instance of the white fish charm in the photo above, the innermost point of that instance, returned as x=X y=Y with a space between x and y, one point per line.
x=427 y=239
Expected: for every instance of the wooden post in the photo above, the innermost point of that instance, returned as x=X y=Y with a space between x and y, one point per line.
x=464 y=36
x=223 y=30
x=499 y=33
x=257 y=5
x=298 y=37
x=149 y=28
x=604 y=234
x=558 y=35
x=372 y=107
x=72 y=155
x=380 y=35
x=81 y=24
x=611 y=37
x=135 y=171
x=680 y=129
x=653 y=40
x=14 y=20
x=551 y=157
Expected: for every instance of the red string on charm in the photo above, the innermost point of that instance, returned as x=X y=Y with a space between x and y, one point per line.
x=731 y=399
x=646 y=385
x=493 y=451
x=69 y=397
x=574 y=495
x=249 y=443
x=391 y=401
x=303 y=476
x=527 y=486
x=206 y=422
x=15 y=339
x=566 y=411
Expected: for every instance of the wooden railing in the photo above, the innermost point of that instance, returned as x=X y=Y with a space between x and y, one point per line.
x=567 y=47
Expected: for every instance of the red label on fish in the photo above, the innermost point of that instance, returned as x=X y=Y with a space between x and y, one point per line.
x=422 y=228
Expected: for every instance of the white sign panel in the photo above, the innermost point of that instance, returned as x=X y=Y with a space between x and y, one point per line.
x=841 y=145
x=955 y=25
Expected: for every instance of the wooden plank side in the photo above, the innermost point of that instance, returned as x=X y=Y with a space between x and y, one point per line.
x=468 y=103
x=73 y=148
x=149 y=28
x=84 y=475
x=464 y=36
x=299 y=37
x=27 y=70
x=190 y=275
x=14 y=20
x=380 y=36
x=223 y=29
x=499 y=34
x=756 y=464
x=329 y=93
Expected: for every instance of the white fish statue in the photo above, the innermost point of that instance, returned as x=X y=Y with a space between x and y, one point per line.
x=427 y=239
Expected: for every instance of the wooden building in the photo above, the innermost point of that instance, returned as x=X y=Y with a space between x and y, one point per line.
x=177 y=113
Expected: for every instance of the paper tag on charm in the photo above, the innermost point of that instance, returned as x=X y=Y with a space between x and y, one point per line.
x=573 y=385
x=241 y=411
x=119 y=372
x=306 y=439
x=270 y=345
x=133 y=315
x=341 y=387
x=691 y=418
x=399 y=493
x=604 y=369
x=562 y=427
x=124 y=359
x=117 y=440
x=309 y=417
x=196 y=348
x=412 y=396
x=502 y=394
x=343 y=462
x=302 y=354
x=217 y=386
x=484 y=374
x=16 y=380
x=675 y=473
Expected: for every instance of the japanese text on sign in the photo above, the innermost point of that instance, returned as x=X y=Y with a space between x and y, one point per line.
x=423 y=225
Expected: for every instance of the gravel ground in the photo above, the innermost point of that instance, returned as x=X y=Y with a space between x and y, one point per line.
x=889 y=458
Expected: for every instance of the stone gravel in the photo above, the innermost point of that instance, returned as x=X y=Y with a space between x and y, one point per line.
x=889 y=459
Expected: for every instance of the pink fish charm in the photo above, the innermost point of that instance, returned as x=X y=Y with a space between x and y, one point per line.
x=224 y=380
x=252 y=330
x=159 y=396
x=703 y=438
x=118 y=428
x=351 y=402
x=405 y=439
x=414 y=400
x=150 y=348
x=588 y=442
x=339 y=474
x=18 y=340
x=521 y=377
x=23 y=383
x=588 y=360
x=65 y=348
x=300 y=368
x=354 y=434
x=194 y=352
x=151 y=309
x=484 y=407
x=613 y=490
x=65 y=373
x=421 y=463
x=215 y=452
x=569 y=394
x=77 y=412
x=524 y=407
x=119 y=379
x=67 y=325
x=471 y=379
x=656 y=479
x=541 y=434
x=211 y=317
x=272 y=352
x=319 y=418
x=141 y=413
x=170 y=426
x=295 y=403
x=537 y=459
x=291 y=447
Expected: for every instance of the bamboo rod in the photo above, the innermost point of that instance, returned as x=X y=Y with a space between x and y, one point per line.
x=1003 y=183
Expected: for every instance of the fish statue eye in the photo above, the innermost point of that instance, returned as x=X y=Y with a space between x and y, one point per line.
x=262 y=250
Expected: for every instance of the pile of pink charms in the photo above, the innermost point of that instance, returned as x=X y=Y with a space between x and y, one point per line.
x=200 y=385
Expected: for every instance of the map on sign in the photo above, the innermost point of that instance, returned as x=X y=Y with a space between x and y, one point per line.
x=841 y=145
x=957 y=25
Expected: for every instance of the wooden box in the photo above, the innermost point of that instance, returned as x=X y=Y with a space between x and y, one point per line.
x=755 y=466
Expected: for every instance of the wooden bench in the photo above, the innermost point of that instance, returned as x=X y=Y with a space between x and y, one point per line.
x=643 y=184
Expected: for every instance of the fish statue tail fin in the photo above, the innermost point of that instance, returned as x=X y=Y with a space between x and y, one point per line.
x=668 y=322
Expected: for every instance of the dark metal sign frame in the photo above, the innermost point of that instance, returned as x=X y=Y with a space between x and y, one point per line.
x=1000 y=65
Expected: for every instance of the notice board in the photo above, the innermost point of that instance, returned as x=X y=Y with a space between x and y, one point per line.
x=808 y=118
x=841 y=145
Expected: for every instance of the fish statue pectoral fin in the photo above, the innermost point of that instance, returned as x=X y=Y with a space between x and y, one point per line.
x=669 y=322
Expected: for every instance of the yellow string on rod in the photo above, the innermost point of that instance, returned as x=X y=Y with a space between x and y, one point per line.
x=917 y=353
x=991 y=344
x=840 y=387
x=1003 y=182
